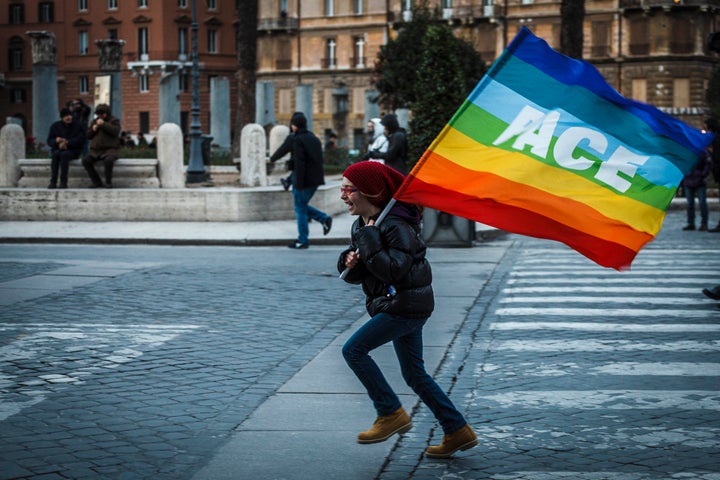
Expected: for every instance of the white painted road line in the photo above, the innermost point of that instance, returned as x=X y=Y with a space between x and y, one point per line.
x=662 y=300
x=607 y=327
x=606 y=399
x=582 y=289
x=542 y=369
x=597 y=345
x=603 y=312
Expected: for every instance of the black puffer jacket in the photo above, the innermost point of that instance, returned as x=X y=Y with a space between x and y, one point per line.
x=393 y=254
x=308 y=160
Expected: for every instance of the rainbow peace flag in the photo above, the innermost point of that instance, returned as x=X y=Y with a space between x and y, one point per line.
x=544 y=147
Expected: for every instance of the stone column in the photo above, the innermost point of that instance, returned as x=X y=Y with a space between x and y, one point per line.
x=170 y=156
x=253 y=171
x=110 y=63
x=265 y=103
x=304 y=103
x=372 y=108
x=45 y=107
x=220 y=112
x=12 y=148
x=169 y=103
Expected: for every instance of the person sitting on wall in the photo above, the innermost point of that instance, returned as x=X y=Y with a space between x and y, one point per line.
x=126 y=140
x=65 y=139
x=104 y=135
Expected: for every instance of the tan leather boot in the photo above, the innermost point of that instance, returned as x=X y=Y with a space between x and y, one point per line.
x=463 y=439
x=386 y=426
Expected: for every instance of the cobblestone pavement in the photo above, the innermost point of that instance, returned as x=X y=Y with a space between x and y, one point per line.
x=139 y=362
x=145 y=367
x=568 y=371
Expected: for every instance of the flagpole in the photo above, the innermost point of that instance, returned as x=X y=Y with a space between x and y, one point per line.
x=380 y=218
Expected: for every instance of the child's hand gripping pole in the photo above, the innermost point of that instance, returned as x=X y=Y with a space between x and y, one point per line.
x=380 y=218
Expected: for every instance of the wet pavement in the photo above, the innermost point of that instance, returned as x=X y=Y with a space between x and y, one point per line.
x=214 y=362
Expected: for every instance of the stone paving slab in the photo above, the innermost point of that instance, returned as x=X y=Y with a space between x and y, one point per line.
x=152 y=374
x=267 y=455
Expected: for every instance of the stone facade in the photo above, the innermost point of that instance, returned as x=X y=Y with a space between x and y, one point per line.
x=638 y=45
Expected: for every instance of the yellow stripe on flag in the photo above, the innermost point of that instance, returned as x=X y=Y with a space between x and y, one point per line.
x=517 y=167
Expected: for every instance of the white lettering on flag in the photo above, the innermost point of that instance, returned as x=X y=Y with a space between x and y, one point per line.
x=536 y=129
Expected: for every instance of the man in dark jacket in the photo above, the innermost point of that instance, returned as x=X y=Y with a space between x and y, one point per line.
x=694 y=185
x=283 y=150
x=308 y=174
x=65 y=139
x=397 y=151
x=104 y=135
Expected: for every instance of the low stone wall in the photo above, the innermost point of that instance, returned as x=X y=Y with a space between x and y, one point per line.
x=215 y=204
x=127 y=173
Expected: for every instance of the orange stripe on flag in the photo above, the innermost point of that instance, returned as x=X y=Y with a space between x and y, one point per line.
x=450 y=176
x=480 y=196
x=508 y=217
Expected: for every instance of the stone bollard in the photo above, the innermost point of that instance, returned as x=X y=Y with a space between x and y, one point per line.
x=278 y=134
x=253 y=172
x=170 y=156
x=12 y=148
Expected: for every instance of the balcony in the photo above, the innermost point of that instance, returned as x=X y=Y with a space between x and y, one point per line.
x=646 y=4
x=459 y=15
x=600 y=51
x=283 y=64
x=639 y=48
x=281 y=24
x=358 y=62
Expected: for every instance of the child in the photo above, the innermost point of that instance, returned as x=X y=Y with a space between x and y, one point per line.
x=389 y=261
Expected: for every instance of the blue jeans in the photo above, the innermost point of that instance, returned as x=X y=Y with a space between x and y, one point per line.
x=406 y=335
x=701 y=193
x=303 y=211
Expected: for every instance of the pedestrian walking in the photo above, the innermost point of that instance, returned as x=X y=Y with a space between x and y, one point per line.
x=308 y=175
x=65 y=139
x=282 y=150
x=712 y=125
x=695 y=185
x=388 y=259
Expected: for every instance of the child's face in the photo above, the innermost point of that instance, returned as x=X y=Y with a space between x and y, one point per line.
x=357 y=203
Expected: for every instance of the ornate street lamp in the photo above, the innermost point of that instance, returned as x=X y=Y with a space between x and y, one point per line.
x=196 y=168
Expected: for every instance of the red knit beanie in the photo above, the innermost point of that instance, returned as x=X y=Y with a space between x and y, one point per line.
x=375 y=180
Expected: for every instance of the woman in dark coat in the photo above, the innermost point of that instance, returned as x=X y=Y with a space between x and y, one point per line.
x=388 y=260
x=395 y=155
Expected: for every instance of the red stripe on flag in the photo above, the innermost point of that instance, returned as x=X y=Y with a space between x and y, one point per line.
x=518 y=220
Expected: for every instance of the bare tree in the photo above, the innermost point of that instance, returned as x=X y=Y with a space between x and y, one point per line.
x=572 y=15
x=246 y=44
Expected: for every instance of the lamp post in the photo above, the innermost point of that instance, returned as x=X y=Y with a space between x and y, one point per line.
x=196 y=168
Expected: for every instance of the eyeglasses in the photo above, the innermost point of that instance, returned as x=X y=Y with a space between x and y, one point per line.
x=348 y=190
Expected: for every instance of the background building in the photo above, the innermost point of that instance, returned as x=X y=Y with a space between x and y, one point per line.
x=157 y=36
x=319 y=54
